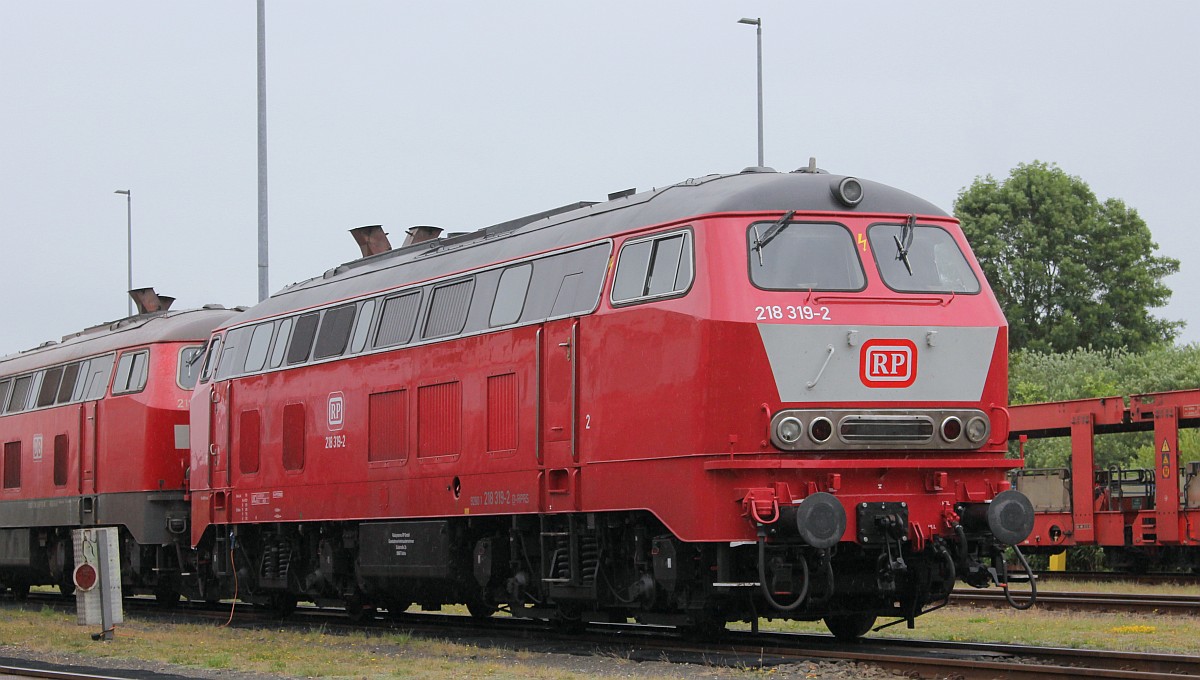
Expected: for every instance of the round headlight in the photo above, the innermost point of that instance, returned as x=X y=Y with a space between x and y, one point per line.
x=977 y=429
x=849 y=191
x=789 y=430
x=820 y=430
x=951 y=429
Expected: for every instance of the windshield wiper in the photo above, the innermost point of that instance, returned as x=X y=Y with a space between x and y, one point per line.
x=761 y=242
x=904 y=242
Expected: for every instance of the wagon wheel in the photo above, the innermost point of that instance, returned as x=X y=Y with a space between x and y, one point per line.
x=850 y=627
x=20 y=591
x=358 y=610
x=396 y=608
x=166 y=596
x=569 y=617
x=480 y=609
x=281 y=604
x=704 y=626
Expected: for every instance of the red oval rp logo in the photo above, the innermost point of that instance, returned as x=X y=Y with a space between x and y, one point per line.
x=888 y=363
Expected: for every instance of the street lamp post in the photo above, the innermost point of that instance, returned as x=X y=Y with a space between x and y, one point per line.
x=128 y=241
x=757 y=23
x=263 y=260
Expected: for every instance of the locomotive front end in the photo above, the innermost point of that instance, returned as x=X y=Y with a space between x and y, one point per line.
x=883 y=481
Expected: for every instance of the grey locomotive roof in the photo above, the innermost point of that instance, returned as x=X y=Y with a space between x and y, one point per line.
x=144 y=329
x=758 y=191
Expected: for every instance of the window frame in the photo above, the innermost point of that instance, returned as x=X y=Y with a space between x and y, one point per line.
x=688 y=249
x=419 y=294
x=979 y=285
x=182 y=362
x=370 y=309
x=212 y=351
x=143 y=375
x=8 y=405
x=752 y=257
x=323 y=329
x=461 y=315
x=57 y=372
x=364 y=319
x=288 y=361
x=528 y=269
x=59 y=398
x=269 y=327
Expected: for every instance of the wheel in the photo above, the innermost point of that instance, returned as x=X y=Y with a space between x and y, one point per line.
x=281 y=604
x=396 y=608
x=359 y=611
x=20 y=591
x=480 y=610
x=704 y=626
x=167 y=598
x=850 y=627
x=67 y=588
x=569 y=618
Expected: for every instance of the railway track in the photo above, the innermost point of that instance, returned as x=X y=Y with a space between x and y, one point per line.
x=915 y=658
x=732 y=649
x=1186 y=605
x=14 y=672
x=1116 y=577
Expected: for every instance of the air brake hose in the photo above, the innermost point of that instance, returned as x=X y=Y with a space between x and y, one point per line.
x=941 y=549
x=762 y=578
x=1032 y=584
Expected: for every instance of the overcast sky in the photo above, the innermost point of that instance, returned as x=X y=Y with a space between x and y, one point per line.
x=465 y=114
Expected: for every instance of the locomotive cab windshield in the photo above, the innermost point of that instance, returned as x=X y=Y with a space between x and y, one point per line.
x=931 y=262
x=806 y=256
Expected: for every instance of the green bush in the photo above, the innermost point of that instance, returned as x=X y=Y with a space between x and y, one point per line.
x=1086 y=374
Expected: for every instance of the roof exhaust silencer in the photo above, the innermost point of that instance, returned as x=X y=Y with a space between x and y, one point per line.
x=371 y=240
x=148 y=301
x=421 y=234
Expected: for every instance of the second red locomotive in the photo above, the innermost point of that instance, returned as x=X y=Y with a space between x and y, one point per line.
x=776 y=394
x=95 y=433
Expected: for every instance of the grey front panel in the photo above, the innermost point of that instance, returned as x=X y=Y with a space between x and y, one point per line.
x=822 y=364
x=42 y=512
x=146 y=515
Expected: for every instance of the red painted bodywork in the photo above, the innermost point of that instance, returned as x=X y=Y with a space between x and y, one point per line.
x=662 y=406
x=1101 y=518
x=116 y=444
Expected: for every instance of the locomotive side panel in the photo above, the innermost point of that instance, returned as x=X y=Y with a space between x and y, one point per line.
x=434 y=431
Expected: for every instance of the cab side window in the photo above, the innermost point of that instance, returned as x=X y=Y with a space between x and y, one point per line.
x=656 y=267
x=132 y=371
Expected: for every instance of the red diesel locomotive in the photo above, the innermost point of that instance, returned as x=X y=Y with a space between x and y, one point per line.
x=760 y=394
x=95 y=433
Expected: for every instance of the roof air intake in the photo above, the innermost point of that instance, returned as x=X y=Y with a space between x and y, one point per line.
x=371 y=240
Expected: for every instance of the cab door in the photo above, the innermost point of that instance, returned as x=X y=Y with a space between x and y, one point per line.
x=89 y=429
x=558 y=408
x=220 y=408
x=208 y=475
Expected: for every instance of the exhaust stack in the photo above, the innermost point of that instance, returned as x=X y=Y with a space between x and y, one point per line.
x=421 y=234
x=148 y=301
x=371 y=240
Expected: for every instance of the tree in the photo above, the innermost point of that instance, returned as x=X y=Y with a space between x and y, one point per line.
x=1068 y=270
